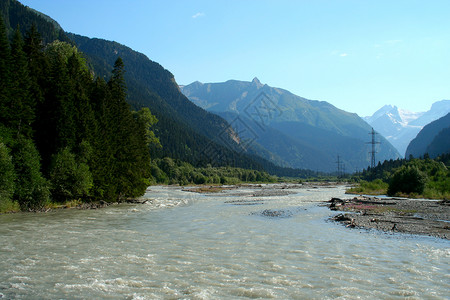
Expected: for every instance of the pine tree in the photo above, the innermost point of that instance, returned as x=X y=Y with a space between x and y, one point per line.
x=7 y=178
x=31 y=187
x=102 y=163
x=84 y=118
x=22 y=103
x=56 y=114
x=5 y=64
x=117 y=82
x=132 y=164
x=38 y=64
x=121 y=124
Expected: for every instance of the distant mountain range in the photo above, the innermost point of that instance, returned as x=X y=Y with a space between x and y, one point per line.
x=433 y=139
x=245 y=124
x=400 y=126
x=290 y=130
x=186 y=131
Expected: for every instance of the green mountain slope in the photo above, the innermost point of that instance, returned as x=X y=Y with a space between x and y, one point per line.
x=440 y=144
x=15 y=14
x=280 y=147
x=186 y=131
x=432 y=139
x=320 y=130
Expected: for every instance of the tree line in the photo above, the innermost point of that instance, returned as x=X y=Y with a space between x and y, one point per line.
x=170 y=171
x=424 y=176
x=64 y=133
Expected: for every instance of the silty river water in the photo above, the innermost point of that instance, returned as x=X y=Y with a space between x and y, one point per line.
x=233 y=245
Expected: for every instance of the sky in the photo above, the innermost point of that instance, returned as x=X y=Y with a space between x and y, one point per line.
x=358 y=55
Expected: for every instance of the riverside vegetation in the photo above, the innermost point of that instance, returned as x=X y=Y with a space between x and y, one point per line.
x=416 y=178
x=65 y=134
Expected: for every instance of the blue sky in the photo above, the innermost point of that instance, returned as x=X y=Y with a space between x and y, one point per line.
x=356 y=54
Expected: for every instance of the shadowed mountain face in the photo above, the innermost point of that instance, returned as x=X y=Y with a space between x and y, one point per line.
x=433 y=139
x=296 y=131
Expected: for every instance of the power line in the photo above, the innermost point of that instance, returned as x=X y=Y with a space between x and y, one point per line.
x=339 y=166
x=373 y=143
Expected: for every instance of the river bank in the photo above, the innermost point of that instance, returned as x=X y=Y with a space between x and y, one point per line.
x=412 y=216
x=75 y=204
x=262 y=189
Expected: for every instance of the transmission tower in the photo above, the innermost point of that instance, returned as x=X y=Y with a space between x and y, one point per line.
x=373 y=143
x=339 y=164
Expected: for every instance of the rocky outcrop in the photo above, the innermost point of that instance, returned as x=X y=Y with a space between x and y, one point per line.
x=413 y=216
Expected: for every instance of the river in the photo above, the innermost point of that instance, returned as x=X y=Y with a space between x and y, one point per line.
x=184 y=245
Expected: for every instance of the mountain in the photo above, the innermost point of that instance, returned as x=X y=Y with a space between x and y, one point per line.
x=400 y=126
x=433 y=139
x=184 y=128
x=186 y=131
x=437 y=110
x=300 y=132
x=15 y=14
x=440 y=143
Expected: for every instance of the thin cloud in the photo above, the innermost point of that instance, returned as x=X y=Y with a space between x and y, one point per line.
x=391 y=42
x=341 y=54
x=198 y=15
x=387 y=43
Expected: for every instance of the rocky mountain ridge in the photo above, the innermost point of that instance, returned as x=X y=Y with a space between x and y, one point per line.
x=308 y=132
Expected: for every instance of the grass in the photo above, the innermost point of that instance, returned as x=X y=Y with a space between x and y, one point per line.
x=428 y=193
x=9 y=206
x=432 y=193
x=378 y=209
x=67 y=204
x=13 y=207
x=376 y=187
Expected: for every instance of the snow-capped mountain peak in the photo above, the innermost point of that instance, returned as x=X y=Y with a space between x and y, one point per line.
x=400 y=126
x=382 y=111
x=407 y=116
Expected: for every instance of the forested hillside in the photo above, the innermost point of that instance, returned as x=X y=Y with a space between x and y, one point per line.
x=68 y=132
x=432 y=139
x=15 y=14
x=440 y=144
x=65 y=134
x=186 y=131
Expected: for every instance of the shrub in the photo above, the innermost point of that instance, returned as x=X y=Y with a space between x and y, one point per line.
x=407 y=180
x=31 y=191
x=69 y=179
x=7 y=178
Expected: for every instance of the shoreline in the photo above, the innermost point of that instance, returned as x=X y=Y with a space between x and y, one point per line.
x=81 y=206
x=280 y=188
x=411 y=216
